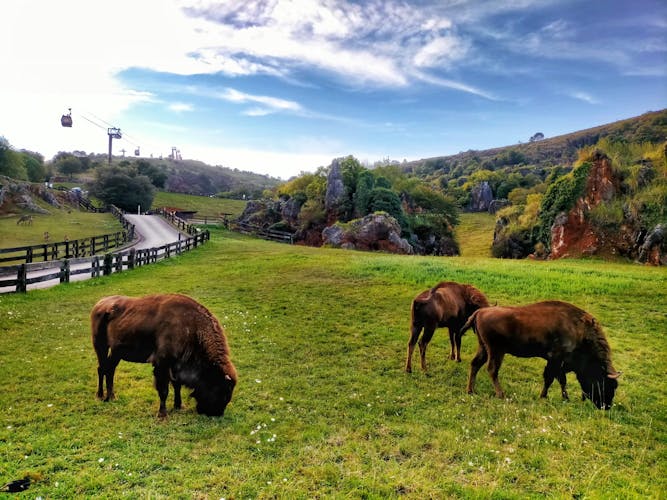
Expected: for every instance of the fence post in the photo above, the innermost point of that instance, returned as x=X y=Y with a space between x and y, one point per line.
x=108 y=262
x=95 y=267
x=28 y=255
x=22 y=279
x=64 y=271
x=130 y=258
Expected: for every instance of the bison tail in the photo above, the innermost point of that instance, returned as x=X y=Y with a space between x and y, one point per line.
x=472 y=322
x=99 y=322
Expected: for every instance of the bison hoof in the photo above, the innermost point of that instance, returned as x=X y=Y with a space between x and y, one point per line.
x=408 y=370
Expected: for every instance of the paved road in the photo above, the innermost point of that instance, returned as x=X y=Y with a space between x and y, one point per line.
x=153 y=231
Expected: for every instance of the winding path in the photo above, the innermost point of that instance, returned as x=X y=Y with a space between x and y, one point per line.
x=153 y=231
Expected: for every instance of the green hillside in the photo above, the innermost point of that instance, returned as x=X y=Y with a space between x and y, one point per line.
x=323 y=408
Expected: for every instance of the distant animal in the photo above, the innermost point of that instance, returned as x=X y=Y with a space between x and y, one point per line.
x=46 y=236
x=180 y=337
x=448 y=304
x=569 y=338
x=24 y=219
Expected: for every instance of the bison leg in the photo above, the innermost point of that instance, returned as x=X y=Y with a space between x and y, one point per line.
x=100 y=381
x=551 y=371
x=458 y=335
x=109 y=369
x=161 y=375
x=562 y=380
x=476 y=363
x=177 y=395
x=423 y=344
x=493 y=367
x=414 y=335
x=452 y=343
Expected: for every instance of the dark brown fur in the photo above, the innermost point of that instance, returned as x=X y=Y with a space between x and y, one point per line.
x=569 y=339
x=180 y=337
x=448 y=304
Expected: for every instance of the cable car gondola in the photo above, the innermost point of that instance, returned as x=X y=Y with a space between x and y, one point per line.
x=66 y=120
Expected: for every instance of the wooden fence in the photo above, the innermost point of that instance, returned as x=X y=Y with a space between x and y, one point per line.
x=71 y=249
x=21 y=276
x=267 y=234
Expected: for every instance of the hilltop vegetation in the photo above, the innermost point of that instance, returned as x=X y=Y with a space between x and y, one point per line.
x=531 y=162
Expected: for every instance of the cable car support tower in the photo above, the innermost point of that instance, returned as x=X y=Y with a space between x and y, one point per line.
x=114 y=133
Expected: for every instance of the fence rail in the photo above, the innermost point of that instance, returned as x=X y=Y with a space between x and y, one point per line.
x=97 y=265
x=71 y=249
x=267 y=234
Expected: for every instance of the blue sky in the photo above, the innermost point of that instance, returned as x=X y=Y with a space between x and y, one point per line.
x=279 y=87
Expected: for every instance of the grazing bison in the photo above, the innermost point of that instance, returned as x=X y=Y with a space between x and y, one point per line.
x=180 y=337
x=446 y=304
x=569 y=339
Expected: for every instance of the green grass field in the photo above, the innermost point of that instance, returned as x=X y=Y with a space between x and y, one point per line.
x=323 y=408
x=60 y=224
x=204 y=205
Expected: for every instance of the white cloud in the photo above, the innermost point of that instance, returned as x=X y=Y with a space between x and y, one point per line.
x=269 y=103
x=584 y=96
x=440 y=51
x=180 y=107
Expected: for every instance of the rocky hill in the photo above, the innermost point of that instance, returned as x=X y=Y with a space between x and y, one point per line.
x=539 y=155
x=602 y=208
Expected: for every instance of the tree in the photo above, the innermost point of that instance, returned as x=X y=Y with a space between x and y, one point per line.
x=34 y=165
x=385 y=200
x=11 y=163
x=537 y=137
x=70 y=165
x=365 y=184
x=156 y=173
x=123 y=188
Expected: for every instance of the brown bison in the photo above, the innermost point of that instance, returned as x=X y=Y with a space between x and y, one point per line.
x=180 y=337
x=569 y=339
x=446 y=304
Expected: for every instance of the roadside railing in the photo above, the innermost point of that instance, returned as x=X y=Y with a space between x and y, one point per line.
x=19 y=277
x=71 y=248
x=267 y=234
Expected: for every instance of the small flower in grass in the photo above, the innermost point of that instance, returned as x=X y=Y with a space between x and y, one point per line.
x=100 y=460
x=258 y=381
x=9 y=427
x=508 y=460
x=50 y=405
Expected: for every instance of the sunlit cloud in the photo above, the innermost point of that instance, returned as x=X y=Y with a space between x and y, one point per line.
x=180 y=107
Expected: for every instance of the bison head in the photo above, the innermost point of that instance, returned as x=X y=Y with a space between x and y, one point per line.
x=213 y=395
x=600 y=390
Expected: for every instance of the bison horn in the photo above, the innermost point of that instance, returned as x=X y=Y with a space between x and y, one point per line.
x=614 y=375
x=227 y=377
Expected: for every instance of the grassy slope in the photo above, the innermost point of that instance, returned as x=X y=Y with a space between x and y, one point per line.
x=475 y=234
x=323 y=407
x=202 y=204
x=60 y=225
